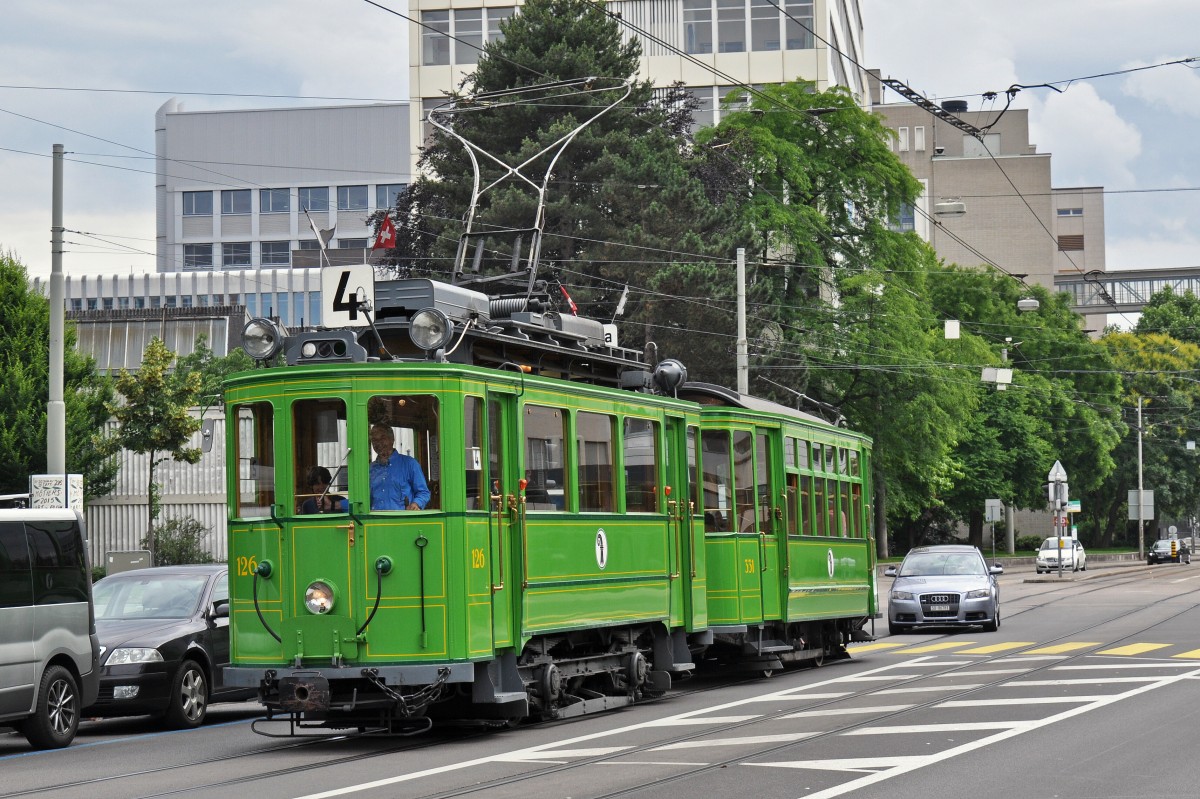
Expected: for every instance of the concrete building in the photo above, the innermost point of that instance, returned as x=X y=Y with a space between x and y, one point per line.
x=712 y=46
x=234 y=187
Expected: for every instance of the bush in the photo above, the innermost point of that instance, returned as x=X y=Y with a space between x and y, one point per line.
x=179 y=541
x=1025 y=542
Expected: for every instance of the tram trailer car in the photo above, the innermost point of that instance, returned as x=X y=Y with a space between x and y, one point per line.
x=594 y=527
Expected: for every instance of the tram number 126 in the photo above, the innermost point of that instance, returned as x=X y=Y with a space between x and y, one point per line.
x=477 y=560
x=246 y=566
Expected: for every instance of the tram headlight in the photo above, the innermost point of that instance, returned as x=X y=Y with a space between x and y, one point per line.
x=430 y=329
x=262 y=339
x=318 y=598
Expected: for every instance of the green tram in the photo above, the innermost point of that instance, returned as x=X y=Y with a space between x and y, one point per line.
x=594 y=526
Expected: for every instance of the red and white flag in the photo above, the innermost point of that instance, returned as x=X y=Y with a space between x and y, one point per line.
x=387 y=234
x=570 y=302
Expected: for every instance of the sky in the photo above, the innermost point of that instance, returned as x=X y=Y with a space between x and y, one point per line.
x=1132 y=134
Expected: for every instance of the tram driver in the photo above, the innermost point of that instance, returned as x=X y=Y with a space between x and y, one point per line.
x=397 y=482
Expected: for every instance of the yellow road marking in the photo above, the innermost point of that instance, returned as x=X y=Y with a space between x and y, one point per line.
x=1059 y=649
x=935 y=647
x=872 y=647
x=1195 y=653
x=1133 y=649
x=987 y=650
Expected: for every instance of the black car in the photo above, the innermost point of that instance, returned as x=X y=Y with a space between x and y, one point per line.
x=1166 y=550
x=164 y=641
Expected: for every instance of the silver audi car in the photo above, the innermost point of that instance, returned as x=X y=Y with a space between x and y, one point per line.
x=944 y=586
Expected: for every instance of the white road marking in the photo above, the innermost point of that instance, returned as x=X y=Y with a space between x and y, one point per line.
x=905 y=766
x=1025 y=700
x=1027 y=658
x=908 y=729
x=789 y=696
x=1108 y=664
x=705 y=720
x=648 y=763
x=847 y=711
x=1083 y=681
x=882 y=677
x=548 y=755
x=870 y=765
x=748 y=740
x=983 y=672
x=928 y=688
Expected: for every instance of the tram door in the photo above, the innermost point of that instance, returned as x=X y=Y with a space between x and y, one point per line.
x=502 y=498
x=687 y=523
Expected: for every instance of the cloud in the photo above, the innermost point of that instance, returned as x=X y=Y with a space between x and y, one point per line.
x=1175 y=88
x=1090 y=141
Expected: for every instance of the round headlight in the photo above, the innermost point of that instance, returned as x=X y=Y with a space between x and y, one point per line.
x=430 y=329
x=262 y=339
x=319 y=597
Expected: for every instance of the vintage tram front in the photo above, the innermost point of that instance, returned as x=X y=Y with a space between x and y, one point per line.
x=592 y=525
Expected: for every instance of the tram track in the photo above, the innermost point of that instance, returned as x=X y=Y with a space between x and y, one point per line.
x=415 y=745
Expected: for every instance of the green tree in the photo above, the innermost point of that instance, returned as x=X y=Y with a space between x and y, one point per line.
x=212 y=368
x=179 y=541
x=155 y=418
x=25 y=390
x=1176 y=315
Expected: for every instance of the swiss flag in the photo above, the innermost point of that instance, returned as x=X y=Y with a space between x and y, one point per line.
x=387 y=234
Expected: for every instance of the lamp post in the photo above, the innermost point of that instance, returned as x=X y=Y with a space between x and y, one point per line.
x=1140 y=497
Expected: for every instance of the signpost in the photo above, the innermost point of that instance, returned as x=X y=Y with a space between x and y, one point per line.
x=1059 y=492
x=993 y=511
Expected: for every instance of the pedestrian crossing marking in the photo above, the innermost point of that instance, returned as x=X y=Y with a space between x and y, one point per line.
x=1195 y=653
x=938 y=647
x=1058 y=649
x=991 y=648
x=1133 y=649
x=878 y=645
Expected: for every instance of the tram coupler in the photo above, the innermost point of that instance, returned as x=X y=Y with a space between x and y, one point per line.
x=304 y=693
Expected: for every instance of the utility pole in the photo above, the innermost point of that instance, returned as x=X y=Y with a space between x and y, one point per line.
x=743 y=349
x=1141 y=498
x=56 y=409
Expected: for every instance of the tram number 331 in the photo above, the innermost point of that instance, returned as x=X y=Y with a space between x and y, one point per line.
x=477 y=560
x=246 y=566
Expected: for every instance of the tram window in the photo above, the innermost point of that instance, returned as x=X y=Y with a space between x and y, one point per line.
x=806 y=505
x=793 y=503
x=856 y=508
x=843 y=467
x=692 y=470
x=594 y=444
x=831 y=498
x=414 y=421
x=848 y=525
x=789 y=453
x=802 y=454
x=640 y=448
x=816 y=457
x=830 y=458
x=819 y=506
x=495 y=473
x=853 y=456
x=743 y=480
x=255 y=454
x=473 y=457
x=763 y=475
x=718 y=485
x=545 y=474
x=319 y=442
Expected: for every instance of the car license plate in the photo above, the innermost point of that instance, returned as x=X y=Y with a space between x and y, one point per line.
x=939 y=608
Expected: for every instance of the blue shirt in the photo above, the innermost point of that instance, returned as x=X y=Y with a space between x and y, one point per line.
x=397 y=483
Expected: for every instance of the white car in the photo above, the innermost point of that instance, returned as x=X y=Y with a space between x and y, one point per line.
x=1069 y=549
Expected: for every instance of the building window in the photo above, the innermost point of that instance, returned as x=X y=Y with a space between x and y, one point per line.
x=197 y=203
x=385 y=194
x=906 y=220
x=919 y=138
x=797 y=24
x=314 y=198
x=468 y=35
x=435 y=38
x=902 y=139
x=197 y=256
x=275 y=253
x=494 y=17
x=309 y=244
x=697 y=26
x=352 y=198
x=274 y=201
x=235 y=255
x=731 y=26
x=235 y=201
x=1070 y=212
x=1070 y=243
x=76 y=304
x=352 y=244
x=764 y=25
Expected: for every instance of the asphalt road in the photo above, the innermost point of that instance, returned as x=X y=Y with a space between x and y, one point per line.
x=1089 y=689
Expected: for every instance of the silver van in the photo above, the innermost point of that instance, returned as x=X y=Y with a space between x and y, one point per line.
x=49 y=652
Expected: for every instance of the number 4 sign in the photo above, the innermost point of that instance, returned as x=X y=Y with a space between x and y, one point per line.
x=343 y=289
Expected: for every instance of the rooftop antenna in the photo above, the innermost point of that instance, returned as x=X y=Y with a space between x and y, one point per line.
x=838 y=419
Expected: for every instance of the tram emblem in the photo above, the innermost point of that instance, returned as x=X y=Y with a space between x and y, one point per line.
x=601 y=548
x=829 y=562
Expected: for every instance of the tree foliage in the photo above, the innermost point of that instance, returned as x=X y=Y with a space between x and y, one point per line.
x=25 y=390
x=155 y=418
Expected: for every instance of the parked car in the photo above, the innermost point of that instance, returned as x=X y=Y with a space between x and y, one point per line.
x=1168 y=550
x=948 y=585
x=1074 y=558
x=164 y=642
